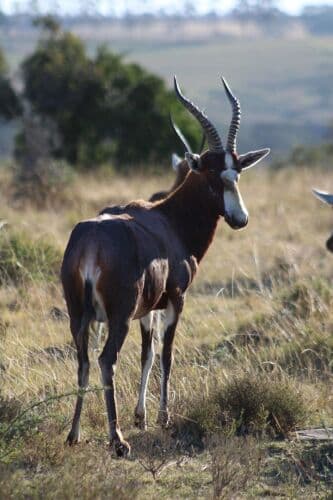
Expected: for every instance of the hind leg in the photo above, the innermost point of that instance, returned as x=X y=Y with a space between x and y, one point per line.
x=148 y=325
x=80 y=336
x=118 y=329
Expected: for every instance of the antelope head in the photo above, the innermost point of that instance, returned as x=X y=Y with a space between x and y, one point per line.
x=221 y=166
x=326 y=198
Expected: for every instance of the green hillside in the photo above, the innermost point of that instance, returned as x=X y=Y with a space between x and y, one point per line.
x=285 y=86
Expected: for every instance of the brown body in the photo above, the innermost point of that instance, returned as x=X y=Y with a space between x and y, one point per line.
x=132 y=260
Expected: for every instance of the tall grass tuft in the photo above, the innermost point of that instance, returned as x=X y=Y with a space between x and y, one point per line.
x=23 y=258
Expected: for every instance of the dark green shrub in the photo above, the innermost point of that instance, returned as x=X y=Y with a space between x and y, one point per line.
x=247 y=403
x=98 y=103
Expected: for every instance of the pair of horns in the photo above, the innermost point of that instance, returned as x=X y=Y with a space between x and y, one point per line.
x=214 y=141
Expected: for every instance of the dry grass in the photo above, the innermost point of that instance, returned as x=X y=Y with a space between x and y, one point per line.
x=260 y=311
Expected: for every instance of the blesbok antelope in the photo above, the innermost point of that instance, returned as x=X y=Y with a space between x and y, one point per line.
x=326 y=198
x=122 y=267
x=180 y=166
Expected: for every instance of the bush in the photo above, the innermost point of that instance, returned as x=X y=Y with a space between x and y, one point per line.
x=259 y=403
x=247 y=403
x=22 y=258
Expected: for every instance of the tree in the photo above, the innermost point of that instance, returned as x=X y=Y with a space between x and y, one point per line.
x=102 y=106
x=10 y=105
x=61 y=84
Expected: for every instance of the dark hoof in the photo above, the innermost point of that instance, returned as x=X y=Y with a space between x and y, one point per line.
x=72 y=439
x=140 y=422
x=123 y=449
x=163 y=419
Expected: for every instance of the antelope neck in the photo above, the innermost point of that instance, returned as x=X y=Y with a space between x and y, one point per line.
x=193 y=213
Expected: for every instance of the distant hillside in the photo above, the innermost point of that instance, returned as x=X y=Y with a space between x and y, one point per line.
x=282 y=77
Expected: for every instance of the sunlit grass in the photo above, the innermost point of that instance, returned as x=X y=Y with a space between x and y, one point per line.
x=260 y=311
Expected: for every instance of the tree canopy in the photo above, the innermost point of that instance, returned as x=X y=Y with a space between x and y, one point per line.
x=102 y=106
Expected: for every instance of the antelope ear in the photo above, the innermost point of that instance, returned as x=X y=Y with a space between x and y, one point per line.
x=323 y=196
x=175 y=159
x=193 y=161
x=250 y=159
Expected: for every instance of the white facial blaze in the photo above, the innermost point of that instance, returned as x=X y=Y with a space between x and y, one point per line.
x=230 y=177
x=229 y=161
x=233 y=203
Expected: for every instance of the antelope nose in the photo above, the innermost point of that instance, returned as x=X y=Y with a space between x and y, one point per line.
x=236 y=223
x=329 y=243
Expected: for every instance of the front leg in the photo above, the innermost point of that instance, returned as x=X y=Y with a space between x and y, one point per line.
x=172 y=314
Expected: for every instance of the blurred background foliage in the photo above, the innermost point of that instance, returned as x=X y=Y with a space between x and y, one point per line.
x=97 y=103
x=81 y=90
x=10 y=105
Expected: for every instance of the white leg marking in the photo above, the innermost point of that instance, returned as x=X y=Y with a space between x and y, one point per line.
x=141 y=406
x=147 y=320
x=97 y=332
x=156 y=325
x=168 y=319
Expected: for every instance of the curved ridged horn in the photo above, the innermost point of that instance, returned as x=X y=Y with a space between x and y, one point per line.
x=235 y=120
x=323 y=196
x=183 y=138
x=180 y=135
x=213 y=138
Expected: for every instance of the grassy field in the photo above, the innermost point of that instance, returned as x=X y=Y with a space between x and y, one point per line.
x=253 y=356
